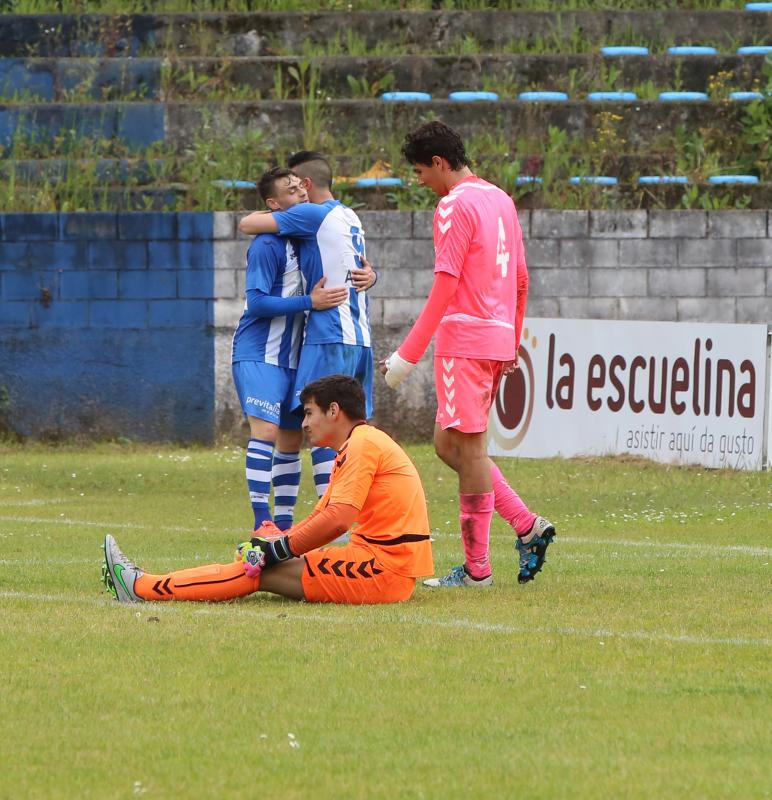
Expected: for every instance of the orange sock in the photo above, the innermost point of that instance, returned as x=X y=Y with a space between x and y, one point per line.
x=213 y=582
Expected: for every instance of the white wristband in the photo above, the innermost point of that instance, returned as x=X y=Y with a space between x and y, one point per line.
x=397 y=369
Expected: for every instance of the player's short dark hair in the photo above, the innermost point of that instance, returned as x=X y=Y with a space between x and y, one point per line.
x=435 y=139
x=311 y=164
x=267 y=183
x=344 y=390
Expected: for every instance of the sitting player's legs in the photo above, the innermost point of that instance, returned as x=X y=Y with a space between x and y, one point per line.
x=347 y=575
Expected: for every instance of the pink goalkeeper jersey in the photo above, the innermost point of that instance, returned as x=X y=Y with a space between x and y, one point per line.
x=477 y=238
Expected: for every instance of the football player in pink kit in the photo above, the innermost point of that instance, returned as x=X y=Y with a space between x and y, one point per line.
x=476 y=306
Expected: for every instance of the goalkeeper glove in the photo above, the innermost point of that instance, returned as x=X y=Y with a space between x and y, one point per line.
x=268 y=530
x=259 y=554
x=397 y=369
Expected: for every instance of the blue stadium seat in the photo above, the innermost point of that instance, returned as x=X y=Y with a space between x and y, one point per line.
x=468 y=97
x=234 y=184
x=406 y=97
x=543 y=97
x=754 y=50
x=624 y=51
x=691 y=50
x=745 y=97
x=724 y=179
x=682 y=97
x=527 y=180
x=611 y=97
x=379 y=182
x=649 y=180
x=597 y=180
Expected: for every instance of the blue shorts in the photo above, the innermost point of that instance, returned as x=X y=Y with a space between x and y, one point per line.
x=321 y=360
x=267 y=392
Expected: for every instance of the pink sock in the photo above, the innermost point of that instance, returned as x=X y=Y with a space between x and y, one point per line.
x=475 y=516
x=509 y=504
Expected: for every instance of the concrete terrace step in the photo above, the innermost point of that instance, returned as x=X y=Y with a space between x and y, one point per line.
x=47 y=79
x=178 y=197
x=132 y=35
x=176 y=170
x=372 y=121
x=179 y=124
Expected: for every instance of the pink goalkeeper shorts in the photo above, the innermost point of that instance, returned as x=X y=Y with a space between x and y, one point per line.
x=465 y=390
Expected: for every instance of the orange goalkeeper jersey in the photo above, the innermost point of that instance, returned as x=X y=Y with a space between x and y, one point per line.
x=374 y=474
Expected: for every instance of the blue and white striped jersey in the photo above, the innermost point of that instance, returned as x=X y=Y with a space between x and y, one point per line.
x=331 y=242
x=272 y=269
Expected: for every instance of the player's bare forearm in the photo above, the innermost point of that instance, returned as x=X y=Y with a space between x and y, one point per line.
x=258 y=222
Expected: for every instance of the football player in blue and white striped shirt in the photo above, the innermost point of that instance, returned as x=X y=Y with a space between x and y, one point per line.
x=331 y=245
x=265 y=355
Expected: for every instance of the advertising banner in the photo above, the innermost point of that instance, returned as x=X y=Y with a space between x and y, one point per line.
x=685 y=393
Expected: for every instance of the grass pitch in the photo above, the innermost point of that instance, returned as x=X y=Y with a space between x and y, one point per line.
x=636 y=665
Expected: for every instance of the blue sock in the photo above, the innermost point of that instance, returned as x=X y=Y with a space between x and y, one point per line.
x=285 y=477
x=322 y=459
x=258 y=468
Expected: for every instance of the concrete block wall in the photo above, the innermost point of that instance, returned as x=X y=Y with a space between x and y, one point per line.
x=121 y=324
x=106 y=325
x=642 y=265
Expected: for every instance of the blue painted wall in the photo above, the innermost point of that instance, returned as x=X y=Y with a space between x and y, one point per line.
x=50 y=79
x=106 y=325
x=137 y=125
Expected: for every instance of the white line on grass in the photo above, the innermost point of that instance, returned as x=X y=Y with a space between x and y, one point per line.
x=50 y=501
x=713 y=549
x=464 y=624
x=107 y=526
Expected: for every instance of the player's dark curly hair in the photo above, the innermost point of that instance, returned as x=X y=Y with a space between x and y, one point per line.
x=344 y=390
x=435 y=139
x=267 y=183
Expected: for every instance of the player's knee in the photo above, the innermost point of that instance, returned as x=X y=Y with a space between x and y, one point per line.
x=262 y=429
x=446 y=452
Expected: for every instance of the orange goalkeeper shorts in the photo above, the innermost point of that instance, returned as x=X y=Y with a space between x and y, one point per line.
x=350 y=574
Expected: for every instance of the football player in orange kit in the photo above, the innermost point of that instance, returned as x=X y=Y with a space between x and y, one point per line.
x=374 y=487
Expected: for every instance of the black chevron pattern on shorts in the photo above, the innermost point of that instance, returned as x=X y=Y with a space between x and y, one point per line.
x=352 y=570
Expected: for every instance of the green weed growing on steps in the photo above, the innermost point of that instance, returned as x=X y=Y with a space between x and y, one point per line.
x=362 y=88
x=412 y=197
x=506 y=86
x=757 y=125
x=348 y=43
x=181 y=79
